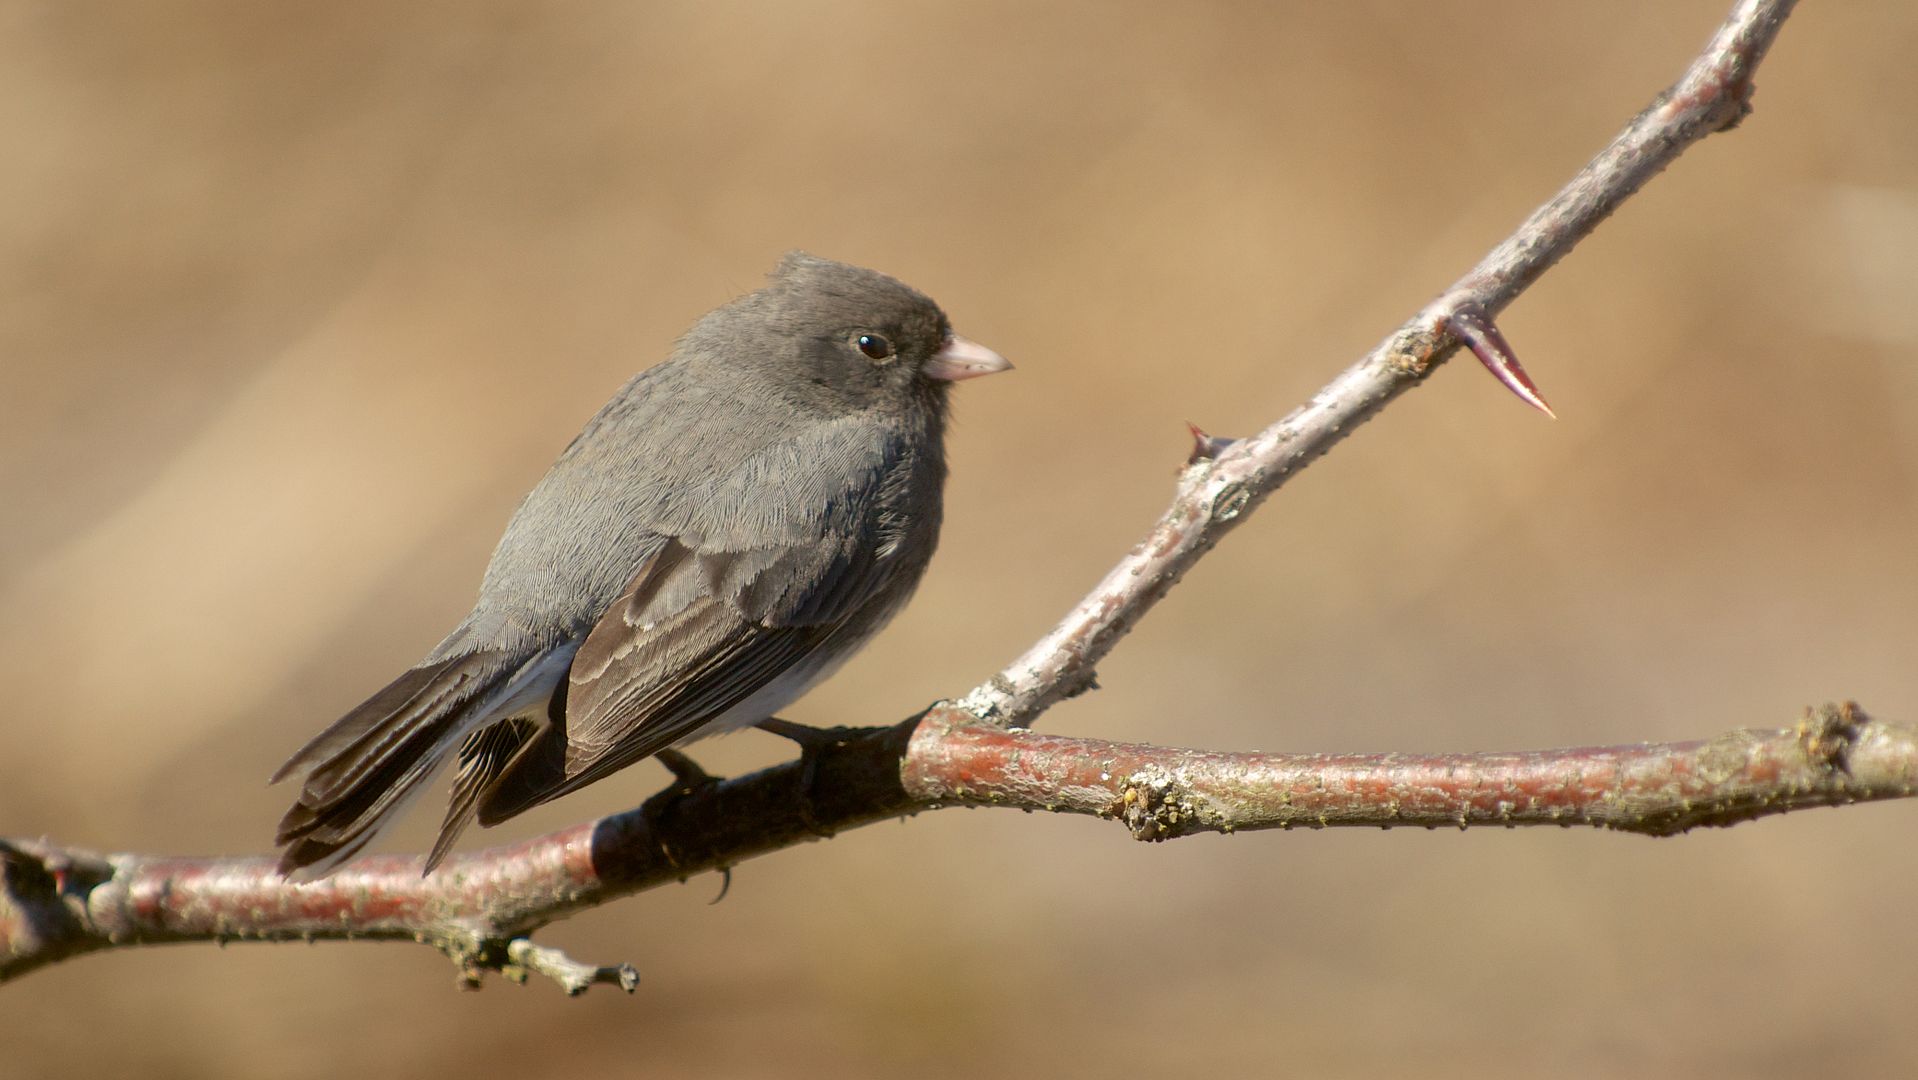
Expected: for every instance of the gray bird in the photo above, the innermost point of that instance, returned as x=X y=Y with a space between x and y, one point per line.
x=731 y=527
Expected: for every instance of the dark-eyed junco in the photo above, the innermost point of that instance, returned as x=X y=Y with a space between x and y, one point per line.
x=729 y=529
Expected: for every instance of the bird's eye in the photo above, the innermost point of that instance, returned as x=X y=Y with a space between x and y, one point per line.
x=874 y=346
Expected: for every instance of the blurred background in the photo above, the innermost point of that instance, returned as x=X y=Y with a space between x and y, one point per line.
x=296 y=300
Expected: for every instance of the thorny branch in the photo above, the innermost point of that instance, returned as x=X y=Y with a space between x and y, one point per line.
x=480 y=908
x=1217 y=492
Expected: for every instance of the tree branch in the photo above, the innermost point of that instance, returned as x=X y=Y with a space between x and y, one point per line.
x=1217 y=491
x=480 y=908
x=1834 y=756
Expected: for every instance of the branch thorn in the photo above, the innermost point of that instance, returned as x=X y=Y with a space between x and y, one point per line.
x=1476 y=330
x=1205 y=447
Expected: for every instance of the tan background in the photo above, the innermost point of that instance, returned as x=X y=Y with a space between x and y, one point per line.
x=300 y=297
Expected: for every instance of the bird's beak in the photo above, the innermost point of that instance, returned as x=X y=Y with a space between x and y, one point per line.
x=962 y=359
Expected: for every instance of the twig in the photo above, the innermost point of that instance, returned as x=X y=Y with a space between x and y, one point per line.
x=1216 y=493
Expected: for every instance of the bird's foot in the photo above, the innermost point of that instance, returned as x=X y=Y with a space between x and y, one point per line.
x=688 y=779
x=812 y=743
x=811 y=740
x=685 y=770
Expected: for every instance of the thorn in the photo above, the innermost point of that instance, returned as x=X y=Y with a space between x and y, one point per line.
x=1475 y=328
x=1205 y=447
x=725 y=885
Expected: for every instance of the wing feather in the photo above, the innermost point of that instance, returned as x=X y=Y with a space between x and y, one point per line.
x=674 y=652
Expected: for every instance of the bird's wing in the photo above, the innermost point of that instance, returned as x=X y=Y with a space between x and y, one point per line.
x=695 y=634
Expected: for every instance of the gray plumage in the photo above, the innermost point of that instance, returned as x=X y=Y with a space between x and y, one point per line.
x=727 y=530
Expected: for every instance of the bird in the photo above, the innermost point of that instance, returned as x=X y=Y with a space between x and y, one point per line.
x=724 y=533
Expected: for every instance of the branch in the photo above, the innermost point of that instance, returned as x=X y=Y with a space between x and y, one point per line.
x=1218 y=489
x=480 y=908
x=1833 y=756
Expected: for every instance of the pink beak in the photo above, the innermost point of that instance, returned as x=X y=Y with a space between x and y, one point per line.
x=961 y=359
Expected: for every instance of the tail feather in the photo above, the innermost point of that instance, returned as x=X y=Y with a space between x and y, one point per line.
x=535 y=775
x=355 y=725
x=374 y=759
x=483 y=757
x=319 y=839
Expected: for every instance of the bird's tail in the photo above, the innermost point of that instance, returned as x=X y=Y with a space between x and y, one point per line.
x=375 y=759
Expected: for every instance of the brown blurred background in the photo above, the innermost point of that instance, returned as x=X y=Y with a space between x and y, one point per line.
x=297 y=299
